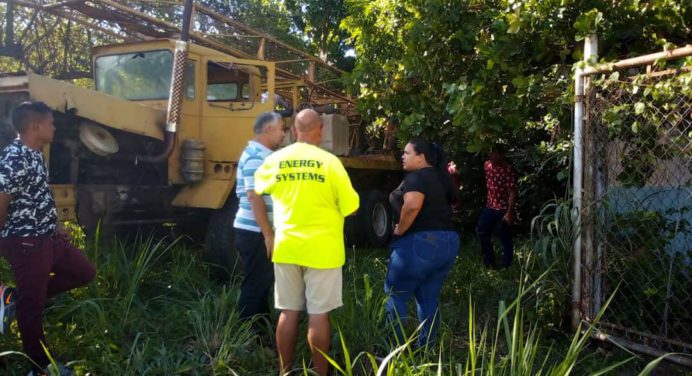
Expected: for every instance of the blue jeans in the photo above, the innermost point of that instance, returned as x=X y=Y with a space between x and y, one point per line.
x=419 y=264
x=491 y=220
x=258 y=277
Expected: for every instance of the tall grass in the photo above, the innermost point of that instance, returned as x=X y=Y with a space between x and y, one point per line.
x=153 y=310
x=514 y=348
x=553 y=232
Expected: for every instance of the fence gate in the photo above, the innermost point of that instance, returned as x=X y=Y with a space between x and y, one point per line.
x=636 y=208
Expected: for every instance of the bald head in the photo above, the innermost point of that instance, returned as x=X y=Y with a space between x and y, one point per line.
x=307 y=120
x=308 y=126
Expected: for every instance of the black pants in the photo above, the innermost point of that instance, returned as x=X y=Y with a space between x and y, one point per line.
x=489 y=222
x=258 y=276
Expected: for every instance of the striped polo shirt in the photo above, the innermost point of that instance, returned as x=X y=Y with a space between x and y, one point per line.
x=253 y=156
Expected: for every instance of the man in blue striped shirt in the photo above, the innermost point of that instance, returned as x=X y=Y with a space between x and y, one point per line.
x=254 y=235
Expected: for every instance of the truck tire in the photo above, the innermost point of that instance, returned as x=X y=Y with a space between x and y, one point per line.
x=374 y=219
x=219 y=243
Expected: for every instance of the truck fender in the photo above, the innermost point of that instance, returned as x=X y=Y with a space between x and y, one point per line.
x=209 y=194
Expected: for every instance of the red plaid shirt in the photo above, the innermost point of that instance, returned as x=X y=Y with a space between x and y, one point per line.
x=501 y=181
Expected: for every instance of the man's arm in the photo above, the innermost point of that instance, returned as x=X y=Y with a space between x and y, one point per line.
x=347 y=199
x=259 y=209
x=4 y=207
x=257 y=177
x=11 y=183
x=511 y=202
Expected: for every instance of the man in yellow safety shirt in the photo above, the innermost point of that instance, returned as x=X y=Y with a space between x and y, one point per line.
x=312 y=194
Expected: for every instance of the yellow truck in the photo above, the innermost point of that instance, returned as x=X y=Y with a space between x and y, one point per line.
x=114 y=161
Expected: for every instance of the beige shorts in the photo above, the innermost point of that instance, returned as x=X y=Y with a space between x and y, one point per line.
x=298 y=287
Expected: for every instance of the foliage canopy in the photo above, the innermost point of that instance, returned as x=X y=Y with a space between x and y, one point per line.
x=471 y=72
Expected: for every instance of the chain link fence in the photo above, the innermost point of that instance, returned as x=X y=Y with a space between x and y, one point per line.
x=637 y=204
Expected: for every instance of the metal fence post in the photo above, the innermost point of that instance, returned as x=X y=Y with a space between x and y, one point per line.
x=588 y=209
x=590 y=47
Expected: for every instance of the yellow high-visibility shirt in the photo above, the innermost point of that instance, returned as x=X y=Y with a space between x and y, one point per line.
x=312 y=194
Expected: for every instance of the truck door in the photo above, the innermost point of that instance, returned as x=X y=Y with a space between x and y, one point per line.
x=232 y=102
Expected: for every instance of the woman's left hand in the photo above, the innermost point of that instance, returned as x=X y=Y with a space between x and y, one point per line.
x=396 y=230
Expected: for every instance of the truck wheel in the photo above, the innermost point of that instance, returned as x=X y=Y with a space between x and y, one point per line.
x=374 y=218
x=92 y=215
x=219 y=247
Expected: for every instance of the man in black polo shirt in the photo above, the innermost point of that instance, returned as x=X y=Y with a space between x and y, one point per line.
x=30 y=238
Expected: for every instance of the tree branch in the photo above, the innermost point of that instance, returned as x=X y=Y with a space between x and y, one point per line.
x=29 y=26
x=9 y=23
x=67 y=49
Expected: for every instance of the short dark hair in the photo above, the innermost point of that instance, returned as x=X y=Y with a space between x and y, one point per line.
x=263 y=119
x=498 y=148
x=27 y=112
x=435 y=156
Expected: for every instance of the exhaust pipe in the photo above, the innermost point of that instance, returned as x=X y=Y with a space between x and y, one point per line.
x=175 y=97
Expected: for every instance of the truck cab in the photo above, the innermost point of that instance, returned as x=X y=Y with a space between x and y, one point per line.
x=221 y=99
x=101 y=165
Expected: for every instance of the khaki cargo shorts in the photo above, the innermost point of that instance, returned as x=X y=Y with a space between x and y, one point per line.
x=298 y=288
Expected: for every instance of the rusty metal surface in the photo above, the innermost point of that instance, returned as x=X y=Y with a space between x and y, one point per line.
x=65 y=201
x=372 y=162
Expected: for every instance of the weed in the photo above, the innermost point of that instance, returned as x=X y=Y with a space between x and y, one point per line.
x=152 y=310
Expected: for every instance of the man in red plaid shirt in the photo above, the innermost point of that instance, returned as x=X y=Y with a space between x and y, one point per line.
x=501 y=181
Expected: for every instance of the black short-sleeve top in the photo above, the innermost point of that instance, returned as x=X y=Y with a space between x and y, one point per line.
x=436 y=212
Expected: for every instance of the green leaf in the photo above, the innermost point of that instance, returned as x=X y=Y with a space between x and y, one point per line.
x=654 y=363
x=639 y=108
x=588 y=23
x=514 y=24
x=635 y=127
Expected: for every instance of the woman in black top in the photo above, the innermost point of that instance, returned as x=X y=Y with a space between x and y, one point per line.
x=425 y=243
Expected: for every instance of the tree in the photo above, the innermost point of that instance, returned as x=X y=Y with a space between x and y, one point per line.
x=41 y=43
x=491 y=67
x=472 y=72
x=269 y=16
x=44 y=43
x=319 y=21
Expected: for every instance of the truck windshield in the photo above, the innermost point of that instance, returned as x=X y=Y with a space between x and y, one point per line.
x=144 y=75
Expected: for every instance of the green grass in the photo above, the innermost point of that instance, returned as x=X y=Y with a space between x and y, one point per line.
x=153 y=310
